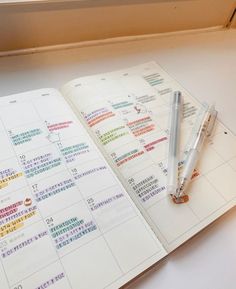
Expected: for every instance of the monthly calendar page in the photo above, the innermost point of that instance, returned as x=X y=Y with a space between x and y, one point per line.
x=65 y=220
x=127 y=112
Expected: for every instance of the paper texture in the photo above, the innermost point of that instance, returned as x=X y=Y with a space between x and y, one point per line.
x=65 y=219
x=127 y=112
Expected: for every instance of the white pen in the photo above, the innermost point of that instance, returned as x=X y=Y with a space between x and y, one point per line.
x=173 y=159
x=204 y=131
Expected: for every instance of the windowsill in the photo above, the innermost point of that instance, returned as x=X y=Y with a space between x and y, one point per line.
x=84 y=3
x=35 y=23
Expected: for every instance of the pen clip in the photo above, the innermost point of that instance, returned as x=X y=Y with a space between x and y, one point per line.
x=202 y=111
x=213 y=115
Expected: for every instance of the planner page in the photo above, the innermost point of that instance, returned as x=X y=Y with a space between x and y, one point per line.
x=128 y=113
x=65 y=220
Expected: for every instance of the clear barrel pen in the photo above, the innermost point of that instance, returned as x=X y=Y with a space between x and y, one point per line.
x=204 y=131
x=173 y=156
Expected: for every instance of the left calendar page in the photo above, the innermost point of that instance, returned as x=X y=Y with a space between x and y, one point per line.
x=65 y=220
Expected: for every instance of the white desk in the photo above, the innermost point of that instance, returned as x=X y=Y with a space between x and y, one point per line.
x=205 y=64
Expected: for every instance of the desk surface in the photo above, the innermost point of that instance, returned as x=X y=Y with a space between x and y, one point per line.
x=205 y=64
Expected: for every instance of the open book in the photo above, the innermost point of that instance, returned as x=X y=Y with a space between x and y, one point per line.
x=83 y=202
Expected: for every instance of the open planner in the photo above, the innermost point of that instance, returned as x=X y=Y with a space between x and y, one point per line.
x=83 y=201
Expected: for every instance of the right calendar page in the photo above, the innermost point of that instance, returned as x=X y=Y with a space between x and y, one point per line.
x=127 y=114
